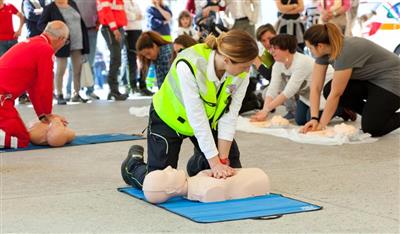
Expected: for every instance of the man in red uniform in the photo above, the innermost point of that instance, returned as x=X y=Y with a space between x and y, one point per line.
x=28 y=67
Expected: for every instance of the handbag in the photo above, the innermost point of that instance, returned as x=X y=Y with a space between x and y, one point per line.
x=86 y=75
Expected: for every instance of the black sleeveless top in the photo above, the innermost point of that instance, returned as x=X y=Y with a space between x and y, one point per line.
x=289 y=16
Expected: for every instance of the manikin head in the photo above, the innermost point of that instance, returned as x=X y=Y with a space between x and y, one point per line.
x=160 y=185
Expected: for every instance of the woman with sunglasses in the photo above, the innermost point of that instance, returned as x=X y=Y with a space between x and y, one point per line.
x=199 y=99
x=75 y=46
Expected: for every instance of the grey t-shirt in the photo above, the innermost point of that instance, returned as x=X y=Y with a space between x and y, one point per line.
x=369 y=61
x=73 y=20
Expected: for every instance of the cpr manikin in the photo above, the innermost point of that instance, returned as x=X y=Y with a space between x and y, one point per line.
x=160 y=185
x=275 y=121
x=53 y=133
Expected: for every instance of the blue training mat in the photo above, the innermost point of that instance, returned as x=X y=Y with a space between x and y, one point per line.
x=262 y=207
x=84 y=140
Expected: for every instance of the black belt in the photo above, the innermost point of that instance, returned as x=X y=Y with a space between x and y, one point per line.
x=243 y=18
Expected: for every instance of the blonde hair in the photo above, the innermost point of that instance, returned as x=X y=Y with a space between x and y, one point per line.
x=328 y=34
x=237 y=45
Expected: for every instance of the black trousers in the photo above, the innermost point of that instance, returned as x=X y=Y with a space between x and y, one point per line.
x=131 y=38
x=376 y=105
x=163 y=147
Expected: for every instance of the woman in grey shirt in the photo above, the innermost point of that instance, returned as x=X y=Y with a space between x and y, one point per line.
x=366 y=80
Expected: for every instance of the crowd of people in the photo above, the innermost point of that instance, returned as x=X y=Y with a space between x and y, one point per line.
x=206 y=75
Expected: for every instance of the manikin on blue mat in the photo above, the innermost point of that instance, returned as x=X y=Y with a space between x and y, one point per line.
x=238 y=197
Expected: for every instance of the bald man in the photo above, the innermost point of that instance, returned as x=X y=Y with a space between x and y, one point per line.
x=28 y=67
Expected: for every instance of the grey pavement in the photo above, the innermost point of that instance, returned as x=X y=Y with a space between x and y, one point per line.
x=73 y=189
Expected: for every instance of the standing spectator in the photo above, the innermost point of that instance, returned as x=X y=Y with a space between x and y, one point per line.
x=245 y=13
x=9 y=37
x=32 y=10
x=290 y=21
x=112 y=17
x=334 y=11
x=351 y=16
x=311 y=13
x=99 y=69
x=185 y=25
x=132 y=32
x=153 y=49
x=68 y=12
x=158 y=18
x=89 y=15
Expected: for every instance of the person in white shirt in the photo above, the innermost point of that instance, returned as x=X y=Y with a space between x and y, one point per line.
x=185 y=23
x=199 y=99
x=245 y=14
x=291 y=76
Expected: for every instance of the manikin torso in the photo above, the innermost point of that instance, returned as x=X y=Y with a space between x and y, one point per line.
x=247 y=182
x=161 y=185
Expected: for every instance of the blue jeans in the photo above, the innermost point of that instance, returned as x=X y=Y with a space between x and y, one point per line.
x=6 y=45
x=303 y=114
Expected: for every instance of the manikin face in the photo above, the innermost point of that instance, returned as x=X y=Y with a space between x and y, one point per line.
x=265 y=38
x=185 y=22
x=235 y=69
x=159 y=185
x=150 y=53
x=278 y=54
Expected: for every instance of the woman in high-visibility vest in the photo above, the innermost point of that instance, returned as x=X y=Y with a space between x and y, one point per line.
x=199 y=99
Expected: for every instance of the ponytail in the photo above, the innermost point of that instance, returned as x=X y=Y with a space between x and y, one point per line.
x=237 y=45
x=328 y=34
x=335 y=39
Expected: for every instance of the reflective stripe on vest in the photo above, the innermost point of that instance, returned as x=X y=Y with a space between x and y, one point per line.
x=168 y=101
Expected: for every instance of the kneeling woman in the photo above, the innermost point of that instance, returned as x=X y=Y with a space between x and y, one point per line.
x=199 y=99
x=366 y=80
x=154 y=50
x=291 y=76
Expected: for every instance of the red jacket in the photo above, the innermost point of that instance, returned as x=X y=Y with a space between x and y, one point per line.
x=111 y=13
x=28 y=66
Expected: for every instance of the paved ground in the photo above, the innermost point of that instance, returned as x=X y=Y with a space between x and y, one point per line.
x=73 y=189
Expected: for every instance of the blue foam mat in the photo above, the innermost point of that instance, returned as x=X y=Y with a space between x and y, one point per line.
x=262 y=207
x=84 y=140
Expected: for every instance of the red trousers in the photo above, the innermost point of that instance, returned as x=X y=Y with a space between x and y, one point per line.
x=13 y=132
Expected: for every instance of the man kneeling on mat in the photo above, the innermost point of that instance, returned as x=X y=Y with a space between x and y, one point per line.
x=160 y=185
x=53 y=132
x=28 y=67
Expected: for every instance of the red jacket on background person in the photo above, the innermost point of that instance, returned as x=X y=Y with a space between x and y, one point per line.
x=111 y=13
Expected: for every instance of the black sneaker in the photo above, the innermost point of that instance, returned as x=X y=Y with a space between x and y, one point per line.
x=61 y=100
x=78 y=98
x=24 y=99
x=135 y=157
x=146 y=92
